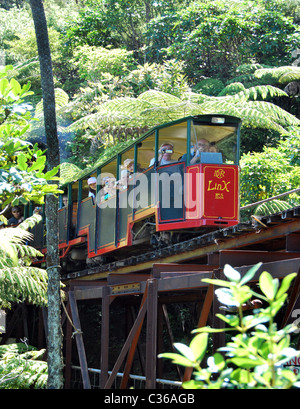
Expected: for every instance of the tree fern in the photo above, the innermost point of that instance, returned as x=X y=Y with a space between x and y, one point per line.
x=22 y=367
x=20 y=282
x=274 y=206
x=154 y=107
x=283 y=75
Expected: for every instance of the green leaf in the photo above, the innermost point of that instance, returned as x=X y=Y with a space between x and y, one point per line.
x=198 y=345
x=267 y=285
x=216 y=362
x=285 y=284
x=216 y=282
x=4 y=87
x=15 y=87
x=250 y=274
x=39 y=164
x=247 y=362
x=185 y=350
x=22 y=161
x=232 y=274
x=210 y=330
x=177 y=359
x=232 y=320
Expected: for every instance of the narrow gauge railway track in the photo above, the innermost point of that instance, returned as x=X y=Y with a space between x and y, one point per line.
x=255 y=234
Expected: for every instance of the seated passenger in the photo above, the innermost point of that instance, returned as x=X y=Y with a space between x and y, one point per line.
x=17 y=216
x=165 y=155
x=126 y=172
x=65 y=201
x=38 y=210
x=129 y=165
x=202 y=145
x=92 y=182
x=109 y=188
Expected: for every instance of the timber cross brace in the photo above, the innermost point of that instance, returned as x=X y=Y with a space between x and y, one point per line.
x=167 y=283
x=154 y=295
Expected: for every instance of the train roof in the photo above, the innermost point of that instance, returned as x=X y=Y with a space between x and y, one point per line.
x=203 y=119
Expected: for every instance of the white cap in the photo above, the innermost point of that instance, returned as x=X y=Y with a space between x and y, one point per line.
x=92 y=180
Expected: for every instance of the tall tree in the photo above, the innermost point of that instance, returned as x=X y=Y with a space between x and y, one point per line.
x=55 y=361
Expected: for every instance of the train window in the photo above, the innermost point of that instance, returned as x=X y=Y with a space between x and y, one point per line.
x=174 y=137
x=146 y=152
x=214 y=139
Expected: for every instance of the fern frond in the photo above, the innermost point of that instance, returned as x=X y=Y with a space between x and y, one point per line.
x=158 y=98
x=274 y=206
x=21 y=367
x=282 y=74
x=61 y=100
x=20 y=284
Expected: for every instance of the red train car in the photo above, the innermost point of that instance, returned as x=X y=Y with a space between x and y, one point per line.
x=177 y=179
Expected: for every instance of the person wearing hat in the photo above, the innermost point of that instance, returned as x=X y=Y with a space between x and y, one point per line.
x=127 y=170
x=92 y=182
x=165 y=155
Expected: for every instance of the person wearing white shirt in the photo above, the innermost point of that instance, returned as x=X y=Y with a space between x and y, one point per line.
x=165 y=155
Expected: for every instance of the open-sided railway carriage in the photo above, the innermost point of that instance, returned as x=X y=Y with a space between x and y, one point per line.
x=160 y=203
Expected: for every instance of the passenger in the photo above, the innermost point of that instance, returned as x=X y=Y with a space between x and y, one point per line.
x=126 y=172
x=17 y=216
x=92 y=182
x=202 y=145
x=65 y=201
x=165 y=155
x=129 y=165
x=213 y=148
x=109 y=188
x=38 y=210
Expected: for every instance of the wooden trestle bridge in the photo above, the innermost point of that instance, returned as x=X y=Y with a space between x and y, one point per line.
x=144 y=285
x=173 y=275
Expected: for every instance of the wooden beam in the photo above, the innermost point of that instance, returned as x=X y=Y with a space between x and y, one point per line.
x=132 y=349
x=134 y=329
x=151 y=334
x=104 y=336
x=79 y=341
x=206 y=308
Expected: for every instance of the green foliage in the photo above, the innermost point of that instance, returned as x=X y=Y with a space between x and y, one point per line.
x=215 y=38
x=282 y=75
x=209 y=86
x=273 y=171
x=256 y=354
x=274 y=206
x=22 y=367
x=19 y=282
x=92 y=62
x=22 y=166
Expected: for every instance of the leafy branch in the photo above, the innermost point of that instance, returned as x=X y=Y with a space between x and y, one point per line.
x=257 y=352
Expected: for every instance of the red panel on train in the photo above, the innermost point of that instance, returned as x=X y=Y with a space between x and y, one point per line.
x=220 y=193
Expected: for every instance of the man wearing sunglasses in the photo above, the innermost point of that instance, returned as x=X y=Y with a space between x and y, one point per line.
x=165 y=155
x=202 y=145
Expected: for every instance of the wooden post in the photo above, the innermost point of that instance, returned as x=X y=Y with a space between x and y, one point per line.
x=104 y=337
x=151 y=335
x=79 y=342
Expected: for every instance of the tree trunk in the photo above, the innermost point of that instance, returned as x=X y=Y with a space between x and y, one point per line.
x=55 y=361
